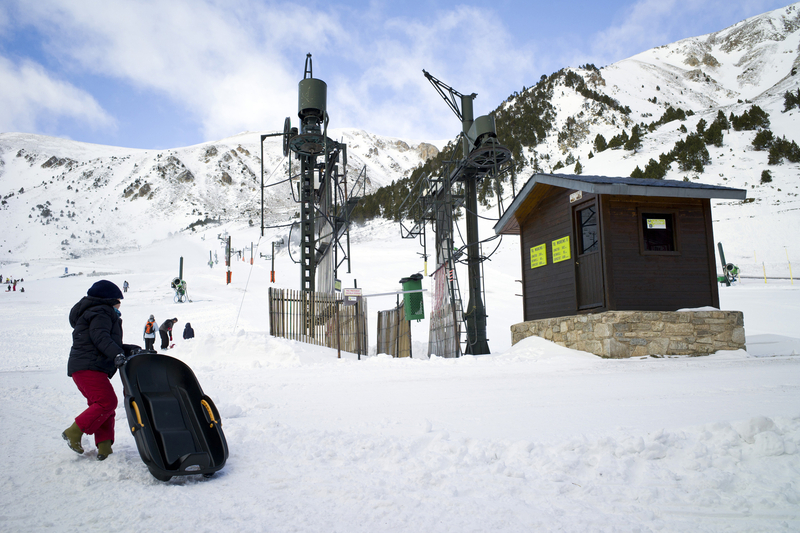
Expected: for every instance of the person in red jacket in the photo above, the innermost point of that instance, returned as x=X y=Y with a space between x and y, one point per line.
x=96 y=341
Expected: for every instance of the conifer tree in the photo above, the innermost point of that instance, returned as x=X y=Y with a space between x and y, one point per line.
x=701 y=126
x=763 y=140
x=713 y=134
x=723 y=122
x=791 y=100
x=600 y=143
x=634 y=142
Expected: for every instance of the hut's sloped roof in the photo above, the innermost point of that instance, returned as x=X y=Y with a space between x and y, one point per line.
x=617 y=186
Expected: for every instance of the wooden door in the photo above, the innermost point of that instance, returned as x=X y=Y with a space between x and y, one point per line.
x=588 y=257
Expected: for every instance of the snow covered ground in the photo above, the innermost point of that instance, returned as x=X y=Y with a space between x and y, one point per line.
x=534 y=437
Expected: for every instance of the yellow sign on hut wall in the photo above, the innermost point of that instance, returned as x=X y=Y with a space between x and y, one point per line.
x=539 y=256
x=561 y=249
x=656 y=223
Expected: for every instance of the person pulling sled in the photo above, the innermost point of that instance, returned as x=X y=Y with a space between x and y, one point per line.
x=96 y=341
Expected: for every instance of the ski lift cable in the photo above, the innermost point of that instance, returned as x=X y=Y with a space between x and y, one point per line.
x=279 y=182
x=276 y=226
x=268 y=177
x=480 y=216
x=289 y=243
x=247 y=284
x=252 y=197
x=280 y=162
x=495 y=248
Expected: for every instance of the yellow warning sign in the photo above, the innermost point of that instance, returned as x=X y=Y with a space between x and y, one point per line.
x=539 y=256
x=561 y=249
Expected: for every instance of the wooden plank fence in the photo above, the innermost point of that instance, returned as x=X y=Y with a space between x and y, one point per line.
x=318 y=318
x=444 y=338
x=394 y=332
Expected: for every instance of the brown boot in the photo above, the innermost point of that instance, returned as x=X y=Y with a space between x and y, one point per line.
x=104 y=450
x=73 y=436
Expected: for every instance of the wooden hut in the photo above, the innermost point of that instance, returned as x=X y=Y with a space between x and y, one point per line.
x=591 y=244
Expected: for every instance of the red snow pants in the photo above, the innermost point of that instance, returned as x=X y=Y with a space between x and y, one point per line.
x=98 y=419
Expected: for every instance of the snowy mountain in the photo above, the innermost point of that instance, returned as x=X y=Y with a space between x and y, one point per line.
x=754 y=62
x=81 y=193
x=78 y=199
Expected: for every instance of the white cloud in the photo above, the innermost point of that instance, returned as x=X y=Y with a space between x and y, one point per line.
x=237 y=67
x=234 y=66
x=225 y=65
x=32 y=100
x=452 y=45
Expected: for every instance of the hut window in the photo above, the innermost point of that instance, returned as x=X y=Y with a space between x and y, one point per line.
x=658 y=232
x=587 y=218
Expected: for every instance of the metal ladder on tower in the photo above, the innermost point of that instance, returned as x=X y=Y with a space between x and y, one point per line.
x=448 y=250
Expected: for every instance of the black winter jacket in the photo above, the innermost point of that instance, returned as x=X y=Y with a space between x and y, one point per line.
x=96 y=336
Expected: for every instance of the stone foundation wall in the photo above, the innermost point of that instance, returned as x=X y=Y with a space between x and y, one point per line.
x=619 y=334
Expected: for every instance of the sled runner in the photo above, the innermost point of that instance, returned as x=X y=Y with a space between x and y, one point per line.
x=177 y=428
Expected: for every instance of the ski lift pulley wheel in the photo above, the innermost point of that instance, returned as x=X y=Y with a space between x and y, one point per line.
x=489 y=156
x=287 y=129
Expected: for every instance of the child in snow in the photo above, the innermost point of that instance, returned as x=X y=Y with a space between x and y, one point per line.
x=96 y=341
x=188 y=332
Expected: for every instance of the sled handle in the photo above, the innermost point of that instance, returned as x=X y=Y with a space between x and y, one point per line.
x=138 y=415
x=210 y=413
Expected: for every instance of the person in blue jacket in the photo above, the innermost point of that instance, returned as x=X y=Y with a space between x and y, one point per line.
x=96 y=341
x=188 y=332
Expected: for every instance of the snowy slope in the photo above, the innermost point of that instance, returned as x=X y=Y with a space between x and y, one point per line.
x=532 y=438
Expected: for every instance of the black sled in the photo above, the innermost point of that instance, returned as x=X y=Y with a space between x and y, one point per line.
x=177 y=428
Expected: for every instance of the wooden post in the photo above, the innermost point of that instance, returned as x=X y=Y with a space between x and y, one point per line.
x=338 y=331
x=272 y=273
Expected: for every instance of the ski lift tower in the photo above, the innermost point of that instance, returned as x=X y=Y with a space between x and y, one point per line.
x=325 y=205
x=483 y=156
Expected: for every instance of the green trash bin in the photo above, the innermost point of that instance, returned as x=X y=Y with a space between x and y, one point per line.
x=413 y=301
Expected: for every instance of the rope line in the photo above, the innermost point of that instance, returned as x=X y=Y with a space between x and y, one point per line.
x=246 y=285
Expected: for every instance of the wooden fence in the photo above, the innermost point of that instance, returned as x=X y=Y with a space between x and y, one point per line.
x=444 y=338
x=394 y=332
x=318 y=318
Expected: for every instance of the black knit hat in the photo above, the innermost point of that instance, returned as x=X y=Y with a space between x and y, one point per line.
x=105 y=289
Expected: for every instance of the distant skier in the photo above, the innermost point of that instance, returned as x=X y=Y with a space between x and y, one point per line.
x=188 y=332
x=124 y=286
x=166 y=332
x=149 y=334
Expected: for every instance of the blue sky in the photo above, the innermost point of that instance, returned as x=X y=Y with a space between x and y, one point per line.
x=164 y=74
